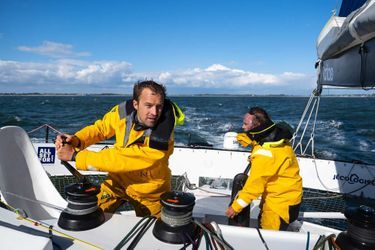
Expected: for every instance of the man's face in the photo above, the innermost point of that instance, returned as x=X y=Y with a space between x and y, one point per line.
x=249 y=122
x=149 y=107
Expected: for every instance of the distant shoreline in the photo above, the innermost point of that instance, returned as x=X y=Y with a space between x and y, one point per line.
x=59 y=94
x=182 y=95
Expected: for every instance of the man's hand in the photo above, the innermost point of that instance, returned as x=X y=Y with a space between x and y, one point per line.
x=65 y=145
x=64 y=139
x=65 y=153
x=230 y=213
x=244 y=140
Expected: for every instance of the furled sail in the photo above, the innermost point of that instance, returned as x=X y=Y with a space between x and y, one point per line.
x=346 y=47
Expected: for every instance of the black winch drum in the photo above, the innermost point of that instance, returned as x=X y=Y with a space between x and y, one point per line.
x=175 y=224
x=361 y=229
x=82 y=212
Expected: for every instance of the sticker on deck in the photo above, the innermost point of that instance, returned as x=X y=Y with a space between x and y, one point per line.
x=46 y=154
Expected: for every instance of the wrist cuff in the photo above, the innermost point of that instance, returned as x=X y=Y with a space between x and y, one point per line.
x=79 y=141
x=74 y=156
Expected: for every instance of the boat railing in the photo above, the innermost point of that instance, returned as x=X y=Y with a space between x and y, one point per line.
x=48 y=128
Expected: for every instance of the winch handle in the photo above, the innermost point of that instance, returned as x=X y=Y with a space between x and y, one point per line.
x=245 y=172
x=80 y=178
x=243 y=218
x=247 y=169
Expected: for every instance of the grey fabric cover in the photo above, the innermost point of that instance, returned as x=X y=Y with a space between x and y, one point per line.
x=357 y=28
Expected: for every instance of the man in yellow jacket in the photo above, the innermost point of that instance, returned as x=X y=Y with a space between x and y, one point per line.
x=137 y=165
x=274 y=173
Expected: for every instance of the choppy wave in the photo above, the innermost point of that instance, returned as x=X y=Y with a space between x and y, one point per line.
x=345 y=126
x=12 y=120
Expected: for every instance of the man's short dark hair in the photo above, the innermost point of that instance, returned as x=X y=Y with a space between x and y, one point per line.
x=155 y=87
x=260 y=114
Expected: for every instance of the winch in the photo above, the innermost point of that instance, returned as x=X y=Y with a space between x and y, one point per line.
x=175 y=224
x=361 y=229
x=82 y=212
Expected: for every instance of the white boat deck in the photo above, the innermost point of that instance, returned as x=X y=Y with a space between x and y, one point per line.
x=117 y=226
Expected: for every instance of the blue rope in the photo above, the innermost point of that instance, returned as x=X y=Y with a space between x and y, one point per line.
x=308 y=241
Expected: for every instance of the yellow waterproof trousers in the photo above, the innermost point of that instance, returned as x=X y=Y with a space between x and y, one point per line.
x=268 y=219
x=109 y=201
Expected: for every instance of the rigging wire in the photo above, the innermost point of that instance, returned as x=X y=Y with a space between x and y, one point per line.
x=312 y=106
x=36 y=201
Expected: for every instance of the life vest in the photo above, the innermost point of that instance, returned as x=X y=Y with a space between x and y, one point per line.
x=159 y=134
x=271 y=133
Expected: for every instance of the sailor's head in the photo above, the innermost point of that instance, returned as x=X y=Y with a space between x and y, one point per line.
x=255 y=117
x=148 y=100
x=257 y=123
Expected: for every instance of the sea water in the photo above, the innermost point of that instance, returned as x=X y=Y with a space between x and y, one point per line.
x=345 y=126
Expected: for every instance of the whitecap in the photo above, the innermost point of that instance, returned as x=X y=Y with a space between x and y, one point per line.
x=335 y=124
x=227 y=127
x=363 y=145
x=327 y=154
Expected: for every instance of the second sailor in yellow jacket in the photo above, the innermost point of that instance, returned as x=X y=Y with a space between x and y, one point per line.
x=137 y=165
x=274 y=172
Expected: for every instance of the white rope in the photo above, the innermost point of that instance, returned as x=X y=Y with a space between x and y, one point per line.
x=320 y=180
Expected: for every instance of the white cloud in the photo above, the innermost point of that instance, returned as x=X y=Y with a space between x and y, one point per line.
x=53 y=49
x=64 y=72
x=217 y=67
x=112 y=75
x=291 y=76
x=220 y=76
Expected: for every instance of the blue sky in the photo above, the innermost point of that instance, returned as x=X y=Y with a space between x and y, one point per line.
x=191 y=46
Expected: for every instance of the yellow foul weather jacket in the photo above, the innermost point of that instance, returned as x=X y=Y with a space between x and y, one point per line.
x=137 y=163
x=275 y=175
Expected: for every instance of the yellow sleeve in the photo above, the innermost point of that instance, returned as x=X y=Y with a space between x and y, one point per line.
x=262 y=168
x=117 y=160
x=101 y=130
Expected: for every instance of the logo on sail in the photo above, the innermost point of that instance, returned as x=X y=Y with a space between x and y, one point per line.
x=328 y=74
x=353 y=179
